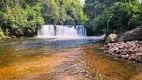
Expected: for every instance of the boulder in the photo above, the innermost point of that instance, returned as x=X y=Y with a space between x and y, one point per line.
x=135 y=34
x=112 y=38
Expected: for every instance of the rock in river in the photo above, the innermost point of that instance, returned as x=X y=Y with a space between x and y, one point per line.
x=112 y=38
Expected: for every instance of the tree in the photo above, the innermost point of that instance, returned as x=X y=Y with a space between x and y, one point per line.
x=125 y=16
x=62 y=11
x=115 y=16
x=16 y=18
x=94 y=8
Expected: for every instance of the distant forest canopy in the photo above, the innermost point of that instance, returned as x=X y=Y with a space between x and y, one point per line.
x=24 y=17
x=112 y=16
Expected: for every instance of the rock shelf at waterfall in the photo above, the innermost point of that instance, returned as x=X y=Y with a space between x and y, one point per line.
x=62 y=31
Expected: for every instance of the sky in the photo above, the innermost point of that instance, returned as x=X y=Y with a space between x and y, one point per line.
x=82 y=1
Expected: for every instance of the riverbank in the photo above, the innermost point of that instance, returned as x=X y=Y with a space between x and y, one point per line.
x=131 y=50
x=127 y=45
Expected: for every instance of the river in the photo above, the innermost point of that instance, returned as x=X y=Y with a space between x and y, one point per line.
x=62 y=59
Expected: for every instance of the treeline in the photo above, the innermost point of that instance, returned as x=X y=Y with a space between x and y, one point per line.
x=112 y=16
x=24 y=17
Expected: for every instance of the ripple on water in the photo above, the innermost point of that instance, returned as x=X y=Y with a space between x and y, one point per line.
x=84 y=62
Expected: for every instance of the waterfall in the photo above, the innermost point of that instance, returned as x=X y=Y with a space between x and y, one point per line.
x=62 y=31
x=81 y=30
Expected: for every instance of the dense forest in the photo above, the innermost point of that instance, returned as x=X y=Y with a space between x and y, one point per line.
x=112 y=16
x=24 y=17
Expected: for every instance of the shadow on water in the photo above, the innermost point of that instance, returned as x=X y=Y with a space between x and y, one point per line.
x=62 y=59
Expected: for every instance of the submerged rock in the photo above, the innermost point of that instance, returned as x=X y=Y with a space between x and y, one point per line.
x=131 y=50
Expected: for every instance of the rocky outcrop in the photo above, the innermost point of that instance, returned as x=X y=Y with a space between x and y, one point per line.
x=131 y=50
x=112 y=38
x=135 y=34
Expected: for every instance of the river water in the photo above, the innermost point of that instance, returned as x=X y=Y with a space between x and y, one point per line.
x=62 y=59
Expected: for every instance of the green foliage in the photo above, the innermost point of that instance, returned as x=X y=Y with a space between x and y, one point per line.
x=34 y=16
x=19 y=15
x=19 y=18
x=98 y=25
x=93 y=8
x=24 y=17
x=50 y=11
x=115 y=16
x=63 y=11
x=16 y=17
x=125 y=15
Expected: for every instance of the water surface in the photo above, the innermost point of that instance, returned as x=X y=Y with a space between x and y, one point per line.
x=62 y=59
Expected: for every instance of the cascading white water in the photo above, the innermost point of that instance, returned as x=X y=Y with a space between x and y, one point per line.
x=81 y=30
x=62 y=31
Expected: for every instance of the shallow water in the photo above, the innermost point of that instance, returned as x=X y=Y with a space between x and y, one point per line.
x=62 y=59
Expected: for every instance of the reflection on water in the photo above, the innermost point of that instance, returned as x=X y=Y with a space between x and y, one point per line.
x=58 y=59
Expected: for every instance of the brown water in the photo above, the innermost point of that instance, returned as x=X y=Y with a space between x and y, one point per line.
x=44 y=59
